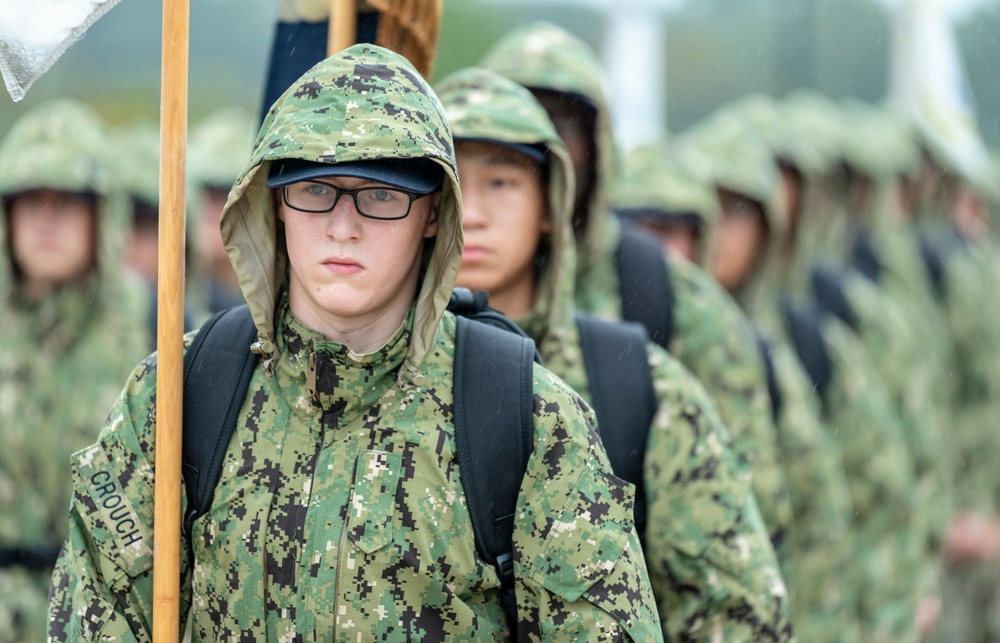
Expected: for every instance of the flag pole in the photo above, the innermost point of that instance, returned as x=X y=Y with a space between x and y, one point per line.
x=170 y=323
x=343 y=25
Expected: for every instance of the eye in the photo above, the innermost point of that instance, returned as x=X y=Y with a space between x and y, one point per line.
x=500 y=182
x=317 y=189
x=385 y=196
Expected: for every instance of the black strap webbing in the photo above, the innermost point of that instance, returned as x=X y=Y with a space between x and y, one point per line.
x=39 y=557
x=934 y=262
x=494 y=406
x=624 y=399
x=803 y=322
x=647 y=294
x=772 y=377
x=830 y=289
x=864 y=257
x=217 y=370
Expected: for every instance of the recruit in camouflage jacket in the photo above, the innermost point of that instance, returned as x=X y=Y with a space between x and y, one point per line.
x=820 y=545
x=711 y=336
x=64 y=355
x=340 y=516
x=889 y=555
x=714 y=573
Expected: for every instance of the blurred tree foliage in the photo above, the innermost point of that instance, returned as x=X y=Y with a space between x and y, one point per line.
x=716 y=51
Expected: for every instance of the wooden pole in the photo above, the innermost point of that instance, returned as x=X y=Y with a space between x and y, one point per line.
x=170 y=324
x=343 y=25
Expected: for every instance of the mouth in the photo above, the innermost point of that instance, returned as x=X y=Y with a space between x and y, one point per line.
x=472 y=253
x=344 y=267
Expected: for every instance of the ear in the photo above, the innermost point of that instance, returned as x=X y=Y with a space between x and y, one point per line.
x=431 y=229
x=545 y=223
x=279 y=209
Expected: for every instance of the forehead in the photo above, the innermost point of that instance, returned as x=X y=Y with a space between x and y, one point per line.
x=492 y=154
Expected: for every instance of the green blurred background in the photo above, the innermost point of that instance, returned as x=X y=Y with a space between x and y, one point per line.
x=716 y=50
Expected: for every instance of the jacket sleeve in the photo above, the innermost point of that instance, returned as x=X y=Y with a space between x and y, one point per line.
x=819 y=576
x=102 y=585
x=713 y=569
x=578 y=564
x=715 y=341
x=891 y=536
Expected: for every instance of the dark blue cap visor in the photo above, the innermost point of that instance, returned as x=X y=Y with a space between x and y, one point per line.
x=419 y=175
x=535 y=151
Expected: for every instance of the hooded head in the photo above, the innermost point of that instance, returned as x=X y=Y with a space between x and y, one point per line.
x=553 y=64
x=661 y=191
x=138 y=170
x=362 y=104
x=484 y=107
x=746 y=178
x=63 y=146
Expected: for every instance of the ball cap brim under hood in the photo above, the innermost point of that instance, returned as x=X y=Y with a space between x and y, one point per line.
x=419 y=175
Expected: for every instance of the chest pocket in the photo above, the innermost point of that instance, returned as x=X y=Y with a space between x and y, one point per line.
x=373 y=500
x=589 y=537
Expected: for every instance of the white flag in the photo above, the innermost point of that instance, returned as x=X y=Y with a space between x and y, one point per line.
x=34 y=33
x=930 y=86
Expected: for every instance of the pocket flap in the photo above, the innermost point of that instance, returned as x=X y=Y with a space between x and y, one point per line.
x=589 y=536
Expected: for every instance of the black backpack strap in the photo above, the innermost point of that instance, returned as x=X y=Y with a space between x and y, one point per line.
x=217 y=370
x=803 y=324
x=934 y=262
x=830 y=291
x=772 y=377
x=624 y=399
x=647 y=294
x=864 y=257
x=494 y=436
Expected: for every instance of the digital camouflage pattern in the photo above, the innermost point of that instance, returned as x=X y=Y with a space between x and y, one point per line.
x=65 y=354
x=714 y=573
x=340 y=515
x=676 y=191
x=862 y=419
x=711 y=336
x=220 y=144
x=820 y=543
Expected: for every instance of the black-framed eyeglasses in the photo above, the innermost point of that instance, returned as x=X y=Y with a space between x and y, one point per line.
x=383 y=203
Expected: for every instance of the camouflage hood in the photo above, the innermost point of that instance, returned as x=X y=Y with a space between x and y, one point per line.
x=737 y=160
x=364 y=103
x=63 y=145
x=485 y=106
x=543 y=56
x=659 y=182
x=219 y=147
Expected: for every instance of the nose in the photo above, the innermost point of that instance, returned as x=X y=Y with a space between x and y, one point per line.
x=344 y=221
x=473 y=212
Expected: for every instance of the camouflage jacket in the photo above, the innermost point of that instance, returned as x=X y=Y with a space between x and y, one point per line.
x=710 y=335
x=820 y=542
x=65 y=354
x=340 y=515
x=713 y=570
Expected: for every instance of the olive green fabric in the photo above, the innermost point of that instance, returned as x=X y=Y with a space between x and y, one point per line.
x=655 y=181
x=65 y=353
x=219 y=147
x=821 y=543
x=858 y=410
x=713 y=570
x=340 y=515
x=711 y=336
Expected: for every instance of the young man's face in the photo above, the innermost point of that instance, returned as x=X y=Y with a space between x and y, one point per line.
x=678 y=239
x=142 y=249
x=52 y=236
x=345 y=268
x=739 y=240
x=504 y=204
x=210 y=247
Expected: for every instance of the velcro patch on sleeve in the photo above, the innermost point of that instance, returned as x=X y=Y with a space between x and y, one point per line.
x=100 y=487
